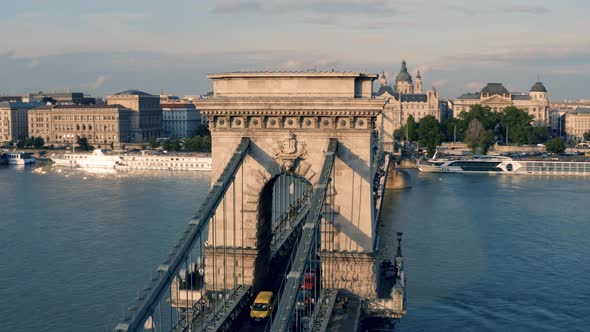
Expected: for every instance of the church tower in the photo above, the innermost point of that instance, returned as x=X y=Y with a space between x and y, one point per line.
x=418 y=88
x=403 y=80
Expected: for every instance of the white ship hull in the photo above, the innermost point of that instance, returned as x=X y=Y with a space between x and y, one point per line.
x=99 y=159
x=505 y=165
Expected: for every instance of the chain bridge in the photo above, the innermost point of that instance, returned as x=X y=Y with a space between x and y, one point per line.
x=297 y=184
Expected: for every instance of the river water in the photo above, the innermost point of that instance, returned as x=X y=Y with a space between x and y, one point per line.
x=493 y=253
x=482 y=252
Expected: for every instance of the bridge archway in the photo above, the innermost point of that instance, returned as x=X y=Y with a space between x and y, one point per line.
x=279 y=199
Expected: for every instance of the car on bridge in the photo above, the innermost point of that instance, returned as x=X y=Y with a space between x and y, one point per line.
x=261 y=309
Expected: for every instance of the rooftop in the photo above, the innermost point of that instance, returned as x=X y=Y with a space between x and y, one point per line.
x=538 y=87
x=494 y=89
x=253 y=74
x=17 y=104
x=177 y=105
x=580 y=110
x=77 y=107
x=132 y=93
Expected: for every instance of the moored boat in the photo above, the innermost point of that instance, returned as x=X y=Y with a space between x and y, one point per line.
x=144 y=161
x=20 y=158
x=507 y=165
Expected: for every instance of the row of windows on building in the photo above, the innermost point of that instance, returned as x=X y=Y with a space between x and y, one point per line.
x=85 y=117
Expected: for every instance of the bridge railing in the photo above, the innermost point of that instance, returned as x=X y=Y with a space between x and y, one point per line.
x=308 y=244
x=176 y=294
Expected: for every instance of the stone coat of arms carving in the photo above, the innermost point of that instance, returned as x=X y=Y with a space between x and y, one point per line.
x=290 y=150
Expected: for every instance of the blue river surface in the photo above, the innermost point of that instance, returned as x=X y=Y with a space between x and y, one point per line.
x=493 y=253
x=483 y=253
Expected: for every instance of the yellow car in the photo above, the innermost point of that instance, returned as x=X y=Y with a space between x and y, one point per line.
x=262 y=306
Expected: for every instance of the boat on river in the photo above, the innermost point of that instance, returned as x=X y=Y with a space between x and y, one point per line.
x=505 y=165
x=144 y=161
x=20 y=158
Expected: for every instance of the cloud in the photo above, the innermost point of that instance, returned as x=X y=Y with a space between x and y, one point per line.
x=569 y=70
x=514 y=9
x=358 y=14
x=99 y=82
x=105 y=19
x=473 y=86
x=527 y=9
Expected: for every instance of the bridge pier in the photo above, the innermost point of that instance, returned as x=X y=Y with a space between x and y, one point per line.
x=353 y=271
x=227 y=267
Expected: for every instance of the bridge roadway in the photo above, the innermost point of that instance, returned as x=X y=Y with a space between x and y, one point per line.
x=244 y=323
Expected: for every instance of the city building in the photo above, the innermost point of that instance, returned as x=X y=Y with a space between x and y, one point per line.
x=102 y=125
x=557 y=121
x=11 y=98
x=570 y=104
x=497 y=97
x=403 y=99
x=63 y=98
x=146 y=113
x=180 y=120
x=14 y=120
x=577 y=122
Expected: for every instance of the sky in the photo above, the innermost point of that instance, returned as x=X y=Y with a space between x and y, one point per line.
x=103 y=47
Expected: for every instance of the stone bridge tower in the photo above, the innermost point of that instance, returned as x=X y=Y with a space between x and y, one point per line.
x=290 y=117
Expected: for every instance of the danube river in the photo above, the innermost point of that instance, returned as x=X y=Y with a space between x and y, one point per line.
x=493 y=253
x=482 y=252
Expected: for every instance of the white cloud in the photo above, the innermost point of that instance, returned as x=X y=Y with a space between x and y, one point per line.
x=100 y=81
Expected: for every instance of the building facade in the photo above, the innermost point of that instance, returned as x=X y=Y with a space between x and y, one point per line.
x=403 y=99
x=101 y=125
x=497 y=97
x=14 y=120
x=577 y=122
x=557 y=122
x=146 y=114
x=180 y=120
x=62 y=98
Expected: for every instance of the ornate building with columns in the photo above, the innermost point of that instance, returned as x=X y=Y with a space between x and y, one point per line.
x=497 y=97
x=404 y=98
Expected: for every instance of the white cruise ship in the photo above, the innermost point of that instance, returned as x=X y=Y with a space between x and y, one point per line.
x=143 y=161
x=506 y=165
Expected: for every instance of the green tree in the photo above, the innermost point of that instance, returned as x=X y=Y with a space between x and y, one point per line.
x=429 y=133
x=203 y=130
x=83 y=143
x=206 y=144
x=452 y=127
x=587 y=136
x=193 y=144
x=29 y=141
x=153 y=143
x=514 y=123
x=20 y=144
x=555 y=145
x=166 y=145
x=483 y=114
x=411 y=128
x=38 y=142
x=477 y=138
x=536 y=135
